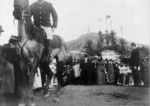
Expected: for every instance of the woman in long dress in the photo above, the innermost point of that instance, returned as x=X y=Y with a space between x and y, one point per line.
x=111 y=72
x=101 y=73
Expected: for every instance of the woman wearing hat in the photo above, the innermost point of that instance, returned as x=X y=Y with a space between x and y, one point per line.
x=101 y=73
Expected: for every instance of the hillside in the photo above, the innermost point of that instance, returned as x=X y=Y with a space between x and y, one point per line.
x=78 y=43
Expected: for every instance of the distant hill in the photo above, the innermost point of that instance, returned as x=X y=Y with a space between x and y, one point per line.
x=78 y=43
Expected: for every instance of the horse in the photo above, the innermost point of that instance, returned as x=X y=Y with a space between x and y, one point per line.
x=13 y=71
x=31 y=51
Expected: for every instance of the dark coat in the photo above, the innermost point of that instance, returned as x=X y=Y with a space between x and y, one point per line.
x=101 y=74
x=86 y=72
x=135 y=62
x=135 y=58
x=41 y=14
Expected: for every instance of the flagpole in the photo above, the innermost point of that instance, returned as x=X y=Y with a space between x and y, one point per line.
x=99 y=24
x=111 y=24
x=106 y=25
x=121 y=30
x=107 y=16
x=89 y=29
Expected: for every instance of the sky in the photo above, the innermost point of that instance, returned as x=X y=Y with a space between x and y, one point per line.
x=130 y=18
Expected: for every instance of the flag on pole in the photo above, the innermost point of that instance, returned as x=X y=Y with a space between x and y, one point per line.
x=89 y=29
x=108 y=16
x=121 y=29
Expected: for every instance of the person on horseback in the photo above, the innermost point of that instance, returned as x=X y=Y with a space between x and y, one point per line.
x=42 y=11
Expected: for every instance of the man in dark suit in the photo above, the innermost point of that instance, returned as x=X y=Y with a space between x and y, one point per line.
x=86 y=73
x=116 y=72
x=135 y=64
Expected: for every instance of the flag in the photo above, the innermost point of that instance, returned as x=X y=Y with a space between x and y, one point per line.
x=107 y=16
x=89 y=29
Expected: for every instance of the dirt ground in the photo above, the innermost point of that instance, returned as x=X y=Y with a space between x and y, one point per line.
x=75 y=95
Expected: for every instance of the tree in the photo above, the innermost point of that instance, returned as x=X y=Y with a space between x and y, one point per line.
x=123 y=44
x=100 y=41
x=88 y=47
x=144 y=51
x=113 y=39
x=107 y=37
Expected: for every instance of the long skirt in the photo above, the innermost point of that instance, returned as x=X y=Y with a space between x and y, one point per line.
x=111 y=75
x=100 y=78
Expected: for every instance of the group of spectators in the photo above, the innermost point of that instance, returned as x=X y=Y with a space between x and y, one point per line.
x=96 y=71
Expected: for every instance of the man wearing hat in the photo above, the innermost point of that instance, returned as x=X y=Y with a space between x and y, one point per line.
x=86 y=67
x=135 y=64
x=1 y=30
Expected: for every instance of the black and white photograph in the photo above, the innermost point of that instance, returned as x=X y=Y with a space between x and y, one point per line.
x=74 y=53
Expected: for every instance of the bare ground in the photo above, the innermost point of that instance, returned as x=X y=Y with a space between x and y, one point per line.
x=107 y=95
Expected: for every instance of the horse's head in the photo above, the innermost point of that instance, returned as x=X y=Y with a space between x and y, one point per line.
x=19 y=7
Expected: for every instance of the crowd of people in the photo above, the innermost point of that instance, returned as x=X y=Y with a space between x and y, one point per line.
x=96 y=71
